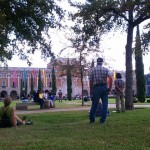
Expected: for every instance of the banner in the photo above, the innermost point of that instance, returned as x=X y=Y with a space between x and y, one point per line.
x=114 y=75
x=44 y=77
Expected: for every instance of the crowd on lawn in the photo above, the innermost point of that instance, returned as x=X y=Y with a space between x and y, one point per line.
x=46 y=98
x=100 y=86
x=8 y=118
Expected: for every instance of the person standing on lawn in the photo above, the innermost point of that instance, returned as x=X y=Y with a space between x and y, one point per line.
x=60 y=95
x=99 y=89
x=119 y=95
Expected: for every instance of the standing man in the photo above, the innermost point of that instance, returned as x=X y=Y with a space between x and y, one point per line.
x=119 y=88
x=99 y=89
x=60 y=95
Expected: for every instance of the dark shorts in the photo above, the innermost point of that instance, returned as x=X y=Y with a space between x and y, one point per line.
x=19 y=123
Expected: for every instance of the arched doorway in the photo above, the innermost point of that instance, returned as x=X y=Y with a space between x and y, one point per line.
x=13 y=95
x=3 y=94
x=85 y=95
x=85 y=92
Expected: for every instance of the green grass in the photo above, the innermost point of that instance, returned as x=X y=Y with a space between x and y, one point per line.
x=71 y=130
x=64 y=104
x=69 y=104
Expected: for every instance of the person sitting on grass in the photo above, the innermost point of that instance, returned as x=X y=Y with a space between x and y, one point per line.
x=8 y=116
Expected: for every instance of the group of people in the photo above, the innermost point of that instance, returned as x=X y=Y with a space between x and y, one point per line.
x=8 y=118
x=100 y=79
x=46 y=98
x=100 y=86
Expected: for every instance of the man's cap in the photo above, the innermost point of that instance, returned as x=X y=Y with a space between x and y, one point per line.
x=99 y=60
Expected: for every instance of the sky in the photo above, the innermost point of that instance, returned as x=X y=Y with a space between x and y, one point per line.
x=113 y=46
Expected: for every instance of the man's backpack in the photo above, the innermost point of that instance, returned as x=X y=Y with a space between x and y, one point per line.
x=5 y=120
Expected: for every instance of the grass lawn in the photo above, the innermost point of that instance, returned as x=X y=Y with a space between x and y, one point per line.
x=64 y=104
x=71 y=131
x=68 y=104
x=73 y=102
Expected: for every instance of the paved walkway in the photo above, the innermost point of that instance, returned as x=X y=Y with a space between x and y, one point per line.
x=70 y=109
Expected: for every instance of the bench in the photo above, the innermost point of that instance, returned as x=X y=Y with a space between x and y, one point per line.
x=148 y=101
x=24 y=106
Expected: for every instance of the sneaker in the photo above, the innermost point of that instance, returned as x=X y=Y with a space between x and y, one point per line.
x=108 y=114
x=28 y=122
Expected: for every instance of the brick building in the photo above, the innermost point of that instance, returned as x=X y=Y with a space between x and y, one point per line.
x=10 y=80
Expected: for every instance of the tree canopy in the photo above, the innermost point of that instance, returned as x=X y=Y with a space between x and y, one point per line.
x=25 y=24
x=102 y=16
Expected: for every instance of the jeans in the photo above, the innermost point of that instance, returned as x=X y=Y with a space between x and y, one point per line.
x=40 y=101
x=120 y=98
x=97 y=93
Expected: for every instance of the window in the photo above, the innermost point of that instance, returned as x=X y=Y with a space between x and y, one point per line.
x=49 y=75
x=13 y=84
x=50 y=84
x=4 y=75
x=3 y=84
x=10 y=75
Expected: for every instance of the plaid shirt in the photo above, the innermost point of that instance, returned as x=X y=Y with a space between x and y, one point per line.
x=99 y=74
x=120 y=83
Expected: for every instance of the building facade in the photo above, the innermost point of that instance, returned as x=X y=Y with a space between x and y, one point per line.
x=10 y=80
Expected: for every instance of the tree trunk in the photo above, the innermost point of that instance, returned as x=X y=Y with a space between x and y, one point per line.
x=82 y=85
x=129 y=76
